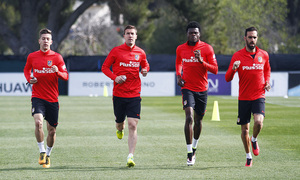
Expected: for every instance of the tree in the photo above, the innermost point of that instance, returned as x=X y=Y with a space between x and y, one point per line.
x=56 y=15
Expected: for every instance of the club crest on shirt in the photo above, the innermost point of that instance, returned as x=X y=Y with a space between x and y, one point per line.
x=260 y=59
x=185 y=102
x=49 y=62
x=137 y=57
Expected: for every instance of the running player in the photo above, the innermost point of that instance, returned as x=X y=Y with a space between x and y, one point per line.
x=47 y=66
x=126 y=60
x=253 y=67
x=193 y=60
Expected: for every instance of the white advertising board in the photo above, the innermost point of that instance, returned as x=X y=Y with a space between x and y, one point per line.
x=14 y=84
x=94 y=84
x=278 y=81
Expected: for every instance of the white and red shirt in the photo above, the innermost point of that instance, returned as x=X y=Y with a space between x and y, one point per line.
x=253 y=73
x=193 y=72
x=40 y=64
x=126 y=61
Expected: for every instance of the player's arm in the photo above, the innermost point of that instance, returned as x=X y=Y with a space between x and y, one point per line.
x=178 y=66
x=145 y=66
x=233 y=66
x=267 y=75
x=27 y=71
x=60 y=69
x=211 y=65
x=110 y=59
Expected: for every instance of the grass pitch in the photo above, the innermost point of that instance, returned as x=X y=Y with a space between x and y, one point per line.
x=87 y=147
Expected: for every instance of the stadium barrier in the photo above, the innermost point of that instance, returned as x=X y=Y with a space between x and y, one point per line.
x=155 y=84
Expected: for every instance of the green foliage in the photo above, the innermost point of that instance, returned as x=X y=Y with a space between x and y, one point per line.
x=239 y=15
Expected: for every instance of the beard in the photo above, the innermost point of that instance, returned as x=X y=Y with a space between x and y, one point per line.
x=251 y=46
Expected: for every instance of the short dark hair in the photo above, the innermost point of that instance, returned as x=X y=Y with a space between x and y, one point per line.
x=45 y=31
x=130 y=27
x=250 y=29
x=193 y=24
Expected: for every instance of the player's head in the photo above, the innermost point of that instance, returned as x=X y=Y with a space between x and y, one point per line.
x=250 y=38
x=45 y=39
x=193 y=32
x=130 y=35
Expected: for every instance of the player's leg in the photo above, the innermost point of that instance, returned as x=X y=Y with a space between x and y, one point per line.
x=132 y=135
x=245 y=137
x=244 y=116
x=258 y=124
x=51 y=135
x=39 y=135
x=258 y=109
x=188 y=102
x=200 y=108
x=133 y=110
x=38 y=111
x=188 y=126
x=51 y=116
x=39 y=132
x=50 y=142
x=132 y=140
x=120 y=115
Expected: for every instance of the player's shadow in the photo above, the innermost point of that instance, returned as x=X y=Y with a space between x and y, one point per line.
x=107 y=168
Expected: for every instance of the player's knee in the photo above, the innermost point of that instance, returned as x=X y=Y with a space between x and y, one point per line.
x=189 y=120
x=39 y=124
x=52 y=132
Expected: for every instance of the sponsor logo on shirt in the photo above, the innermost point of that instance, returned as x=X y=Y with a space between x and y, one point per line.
x=192 y=59
x=49 y=63
x=130 y=64
x=254 y=67
x=44 y=70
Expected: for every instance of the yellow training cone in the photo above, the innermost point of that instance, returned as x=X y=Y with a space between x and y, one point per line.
x=105 y=92
x=215 y=114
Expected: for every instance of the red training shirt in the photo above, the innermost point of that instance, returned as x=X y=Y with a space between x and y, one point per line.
x=126 y=61
x=253 y=73
x=193 y=72
x=47 y=80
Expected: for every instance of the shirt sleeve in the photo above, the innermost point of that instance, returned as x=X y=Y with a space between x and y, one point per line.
x=110 y=59
x=27 y=68
x=230 y=73
x=178 y=64
x=267 y=70
x=211 y=65
x=144 y=63
x=62 y=72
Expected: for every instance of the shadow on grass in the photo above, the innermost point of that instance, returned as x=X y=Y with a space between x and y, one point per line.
x=124 y=168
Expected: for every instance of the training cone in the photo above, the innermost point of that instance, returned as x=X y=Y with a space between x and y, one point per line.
x=215 y=114
x=105 y=93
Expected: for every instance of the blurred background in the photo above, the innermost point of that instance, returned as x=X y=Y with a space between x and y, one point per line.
x=84 y=32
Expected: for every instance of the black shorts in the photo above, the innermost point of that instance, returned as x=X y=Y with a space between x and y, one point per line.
x=196 y=100
x=48 y=109
x=130 y=107
x=247 y=107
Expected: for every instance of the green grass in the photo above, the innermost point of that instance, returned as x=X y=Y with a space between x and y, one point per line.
x=87 y=147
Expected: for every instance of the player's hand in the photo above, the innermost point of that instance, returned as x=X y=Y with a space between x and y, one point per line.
x=267 y=86
x=198 y=56
x=33 y=80
x=120 y=79
x=54 y=68
x=180 y=81
x=144 y=72
x=236 y=65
